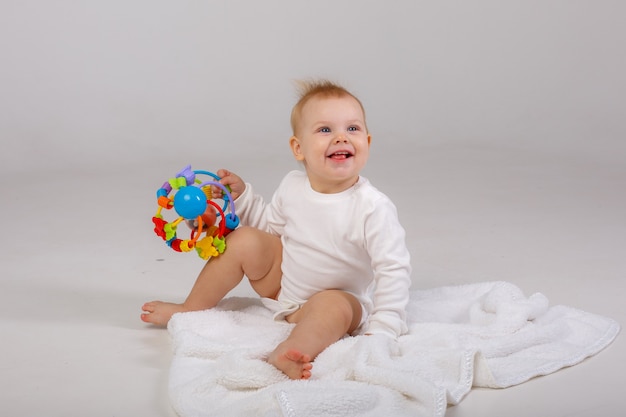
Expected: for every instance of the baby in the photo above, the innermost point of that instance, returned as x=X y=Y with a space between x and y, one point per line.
x=326 y=253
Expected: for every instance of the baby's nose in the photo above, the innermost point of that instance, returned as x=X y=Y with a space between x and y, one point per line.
x=341 y=138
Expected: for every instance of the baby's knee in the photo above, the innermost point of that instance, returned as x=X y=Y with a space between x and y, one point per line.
x=254 y=246
x=241 y=233
x=342 y=304
x=248 y=237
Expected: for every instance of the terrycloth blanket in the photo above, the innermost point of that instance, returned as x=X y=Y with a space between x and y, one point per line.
x=487 y=335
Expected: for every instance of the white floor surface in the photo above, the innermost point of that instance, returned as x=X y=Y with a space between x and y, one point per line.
x=79 y=258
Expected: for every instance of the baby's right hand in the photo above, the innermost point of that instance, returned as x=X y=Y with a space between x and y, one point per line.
x=236 y=184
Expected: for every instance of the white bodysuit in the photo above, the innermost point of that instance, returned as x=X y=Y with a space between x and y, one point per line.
x=351 y=241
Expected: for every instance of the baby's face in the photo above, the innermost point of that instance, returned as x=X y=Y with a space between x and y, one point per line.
x=333 y=142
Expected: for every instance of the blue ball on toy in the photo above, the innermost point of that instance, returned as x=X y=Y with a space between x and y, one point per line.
x=190 y=202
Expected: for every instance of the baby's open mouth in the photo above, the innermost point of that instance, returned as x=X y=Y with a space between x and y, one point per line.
x=340 y=155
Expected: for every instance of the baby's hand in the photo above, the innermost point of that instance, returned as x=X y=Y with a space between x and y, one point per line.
x=236 y=184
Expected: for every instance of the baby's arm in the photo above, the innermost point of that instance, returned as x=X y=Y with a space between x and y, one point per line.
x=391 y=263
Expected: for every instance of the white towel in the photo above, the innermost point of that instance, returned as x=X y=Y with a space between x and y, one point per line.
x=486 y=334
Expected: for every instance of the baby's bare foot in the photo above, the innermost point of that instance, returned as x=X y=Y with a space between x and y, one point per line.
x=159 y=312
x=292 y=362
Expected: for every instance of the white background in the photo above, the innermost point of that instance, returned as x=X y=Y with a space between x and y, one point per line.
x=498 y=129
x=127 y=82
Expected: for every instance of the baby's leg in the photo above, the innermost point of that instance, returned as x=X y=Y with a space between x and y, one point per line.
x=323 y=320
x=249 y=251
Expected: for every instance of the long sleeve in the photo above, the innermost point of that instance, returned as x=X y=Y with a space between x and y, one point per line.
x=254 y=211
x=390 y=261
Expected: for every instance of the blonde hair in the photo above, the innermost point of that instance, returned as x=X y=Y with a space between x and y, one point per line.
x=317 y=88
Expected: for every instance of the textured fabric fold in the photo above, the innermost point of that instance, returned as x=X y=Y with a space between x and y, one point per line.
x=485 y=334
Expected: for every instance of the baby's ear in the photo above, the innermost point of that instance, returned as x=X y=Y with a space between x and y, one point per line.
x=294 y=144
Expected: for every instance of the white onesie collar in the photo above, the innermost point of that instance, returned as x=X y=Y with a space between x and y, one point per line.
x=334 y=196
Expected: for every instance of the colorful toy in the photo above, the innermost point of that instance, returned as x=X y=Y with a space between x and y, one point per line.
x=193 y=202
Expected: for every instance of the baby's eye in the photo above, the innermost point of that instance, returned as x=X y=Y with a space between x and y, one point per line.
x=353 y=128
x=324 y=129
